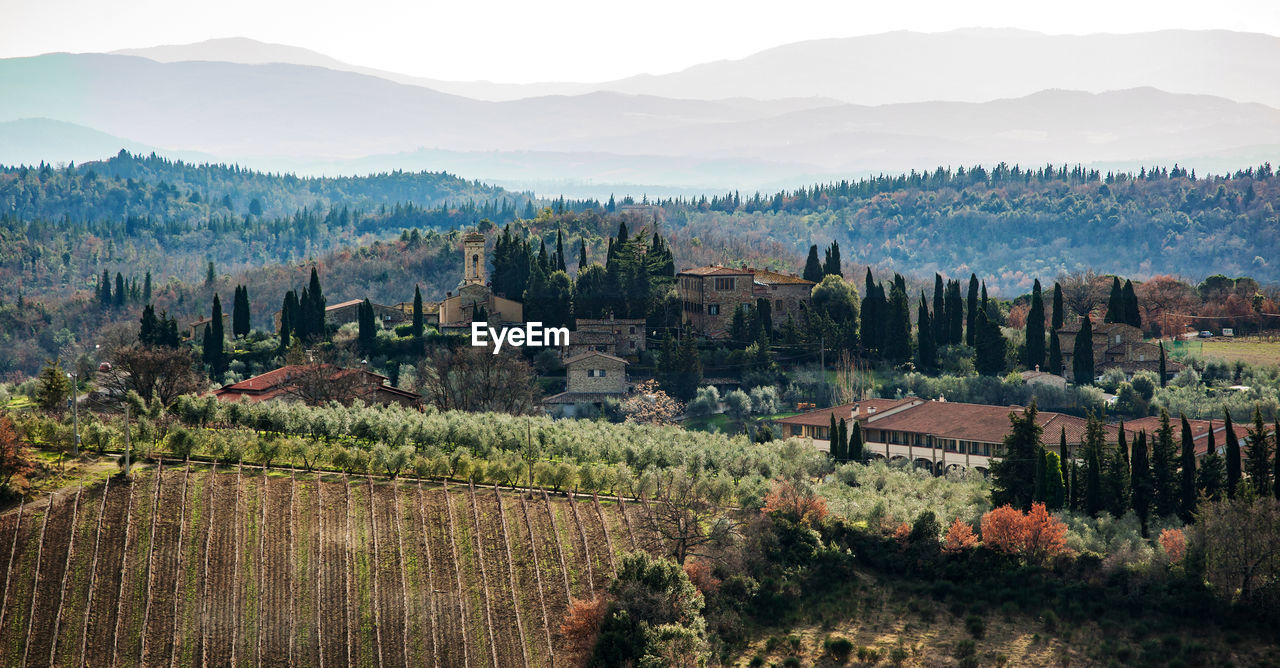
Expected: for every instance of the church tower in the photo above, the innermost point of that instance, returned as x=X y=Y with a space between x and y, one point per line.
x=473 y=259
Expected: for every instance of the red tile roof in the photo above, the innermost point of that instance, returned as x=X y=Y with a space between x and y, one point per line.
x=866 y=408
x=592 y=353
x=716 y=270
x=976 y=422
x=1199 y=432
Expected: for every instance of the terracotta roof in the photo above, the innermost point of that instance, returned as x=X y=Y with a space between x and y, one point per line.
x=976 y=422
x=590 y=353
x=716 y=270
x=766 y=276
x=1153 y=366
x=1098 y=327
x=866 y=409
x=1199 y=432
x=1031 y=375
x=349 y=302
x=576 y=397
x=473 y=236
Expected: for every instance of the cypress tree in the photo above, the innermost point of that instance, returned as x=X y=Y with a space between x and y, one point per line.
x=955 y=314
x=317 y=325
x=303 y=316
x=1074 y=498
x=1188 y=508
x=1275 y=469
x=1095 y=442
x=1164 y=468
x=1057 y=321
x=898 y=342
x=240 y=313
x=1064 y=454
x=146 y=289
x=1212 y=473
x=870 y=325
x=368 y=326
x=833 y=434
x=1259 y=451
x=989 y=346
x=1040 y=476
x=1233 y=457
x=582 y=255
x=940 y=327
x=1082 y=355
x=1132 y=315
x=1116 y=477
x=1055 y=493
x=121 y=295
x=926 y=350
x=832 y=265
x=286 y=319
x=418 y=317
x=206 y=347
x=1163 y=371
x=813 y=267
x=1115 y=304
x=560 y=251
x=971 y=319
x=104 y=290
x=216 y=337
x=854 y=450
x=1055 y=356
x=1140 y=481
x=1034 y=351
x=842 y=440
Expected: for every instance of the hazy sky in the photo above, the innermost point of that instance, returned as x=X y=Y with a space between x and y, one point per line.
x=569 y=40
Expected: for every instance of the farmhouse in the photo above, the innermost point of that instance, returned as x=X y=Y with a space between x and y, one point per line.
x=1115 y=346
x=591 y=377
x=709 y=295
x=616 y=336
x=938 y=435
x=297 y=381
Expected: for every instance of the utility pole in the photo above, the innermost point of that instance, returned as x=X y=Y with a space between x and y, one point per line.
x=127 y=439
x=75 y=412
x=822 y=366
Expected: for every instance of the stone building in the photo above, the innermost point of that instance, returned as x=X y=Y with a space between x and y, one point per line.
x=590 y=378
x=474 y=296
x=616 y=336
x=710 y=295
x=1115 y=346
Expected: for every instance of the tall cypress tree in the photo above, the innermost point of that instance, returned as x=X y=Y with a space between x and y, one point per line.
x=855 y=448
x=833 y=434
x=1164 y=373
x=842 y=440
x=1164 y=468
x=1115 y=304
x=121 y=295
x=304 y=316
x=1259 y=451
x=813 y=267
x=940 y=327
x=1055 y=356
x=955 y=314
x=1055 y=491
x=832 y=265
x=419 y=320
x=104 y=289
x=560 y=266
x=286 y=318
x=368 y=332
x=1064 y=453
x=1140 y=481
x=216 y=336
x=1093 y=497
x=1082 y=355
x=1188 y=506
x=897 y=343
x=869 y=326
x=146 y=289
x=1057 y=321
x=582 y=255
x=926 y=350
x=1132 y=315
x=316 y=327
x=1115 y=479
x=1033 y=356
x=1212 y=474
x=1233 y=457
x=989 y=346
x=971 y=319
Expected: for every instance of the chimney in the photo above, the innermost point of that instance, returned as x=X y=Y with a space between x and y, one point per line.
x=1037 y=367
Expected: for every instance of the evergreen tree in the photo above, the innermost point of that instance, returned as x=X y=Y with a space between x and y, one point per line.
x=240 y=325
x=104 y=290
x=940 y=327
x=146 y=289
x=971 y=320
x=210 y=274
x=1166 y=490
x=1055 y=356
x=989 y=346
x=149 y=334
x=286 y=319
x=217 y=335
x=842 y=439
x=1259 y=451
x=560 y=252
x=121 y=295
x=1115 y=305
x=1187 y=509
x=871 y=316
x=926 y=350
x=1115 y=477
x=1074 y=500
x=1055 y=493
x=1033 y=356
x=52 y=387
x=955 y=314
x=833 y=434
x=1275 y=469
x=832 y=264
x=1212 y=475
x=1013 y=477
x=1164 y=374
x=303 y=317
x=1233 y=457
x=1064 y=454
x=419 y=319
x=368 y=327
x=316 y=327
x=1056 y=322
x=1132 y=315
x=897 y=344
x=855 y=450
x=582 y=255
x=812 y=267
x=544 y=261
x=763 y=314
x=1140 y=481
x=1094 y=447
x=1082 y=355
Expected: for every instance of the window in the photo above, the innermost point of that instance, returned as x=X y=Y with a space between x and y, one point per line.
x=796 y=430
x=633 y=329
x=595 y=373
x=713 y=309
x=777 y=304
x=724 y=283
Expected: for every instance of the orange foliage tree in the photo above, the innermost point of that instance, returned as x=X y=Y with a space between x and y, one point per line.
x=795 y=502
x=1035 y=536
x=960 y=537
x=1002 y=529
x=581 y=625
x=15 y=461
x=1174 y=543
x=700 y=575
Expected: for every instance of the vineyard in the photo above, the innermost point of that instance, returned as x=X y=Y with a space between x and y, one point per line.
x=190 y=565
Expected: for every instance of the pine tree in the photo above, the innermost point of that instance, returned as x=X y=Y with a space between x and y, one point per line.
x=419 y=320
x=832 y=264
x=926 y=350
x=955 y=314
x=971 y=319
x=1164 y=468
x=1233 y=457
x=216 y=336
x=149 y=333
x=560 y=252
x=1094 y=447
x=1188 y=506
x=940 y=327
x=1115 y=305
x=52 y=387
x=1033 y=357
x=842 y=441
x=120 y=296
x=833 y=432
x=1132 y=315
x=368 y=332
x=812 y=267
x=1140 y=481
x=1082 y=355
x=146 y=289
x=855 y=449
x=1057 y=321
x=989 y=346
x=1013 y=477
x=1212 y=475
x=1259 y=454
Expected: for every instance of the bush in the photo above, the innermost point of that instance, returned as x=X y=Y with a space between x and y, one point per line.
x=764 y=400
x=737 y=405
x=705 y=403
x=976 y=626
x=838 y=647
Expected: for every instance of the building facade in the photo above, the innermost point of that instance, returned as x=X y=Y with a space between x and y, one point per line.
x=710 y=295
x=616 y=336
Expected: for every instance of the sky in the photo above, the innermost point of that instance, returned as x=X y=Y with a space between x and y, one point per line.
x=521 y=41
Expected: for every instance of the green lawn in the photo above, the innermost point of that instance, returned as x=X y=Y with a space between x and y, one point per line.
x=1248 y=350
x=713 y=423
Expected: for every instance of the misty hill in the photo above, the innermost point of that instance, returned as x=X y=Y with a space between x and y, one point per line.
x=970 y=65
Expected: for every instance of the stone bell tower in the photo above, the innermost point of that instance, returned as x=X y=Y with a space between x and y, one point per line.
x=473 y=259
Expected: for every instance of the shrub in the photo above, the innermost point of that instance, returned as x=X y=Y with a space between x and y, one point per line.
x=976 y=626
x=582 y=623
x=959 y=538
x=839 y=647
x=1174 y=544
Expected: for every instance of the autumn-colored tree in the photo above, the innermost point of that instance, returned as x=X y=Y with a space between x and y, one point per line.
x=1002 y=529
x=902 y=533
x=15 y=461
x=649 y=405
x=1174 y=543
x=581 y=624
x=795 y=502
x=1046 y=536
x=959 y=538
x=699 y=572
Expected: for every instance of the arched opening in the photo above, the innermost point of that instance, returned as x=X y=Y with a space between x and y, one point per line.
x=475 y=266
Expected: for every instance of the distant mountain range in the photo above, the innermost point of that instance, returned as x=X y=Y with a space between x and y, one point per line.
x=812 y=110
